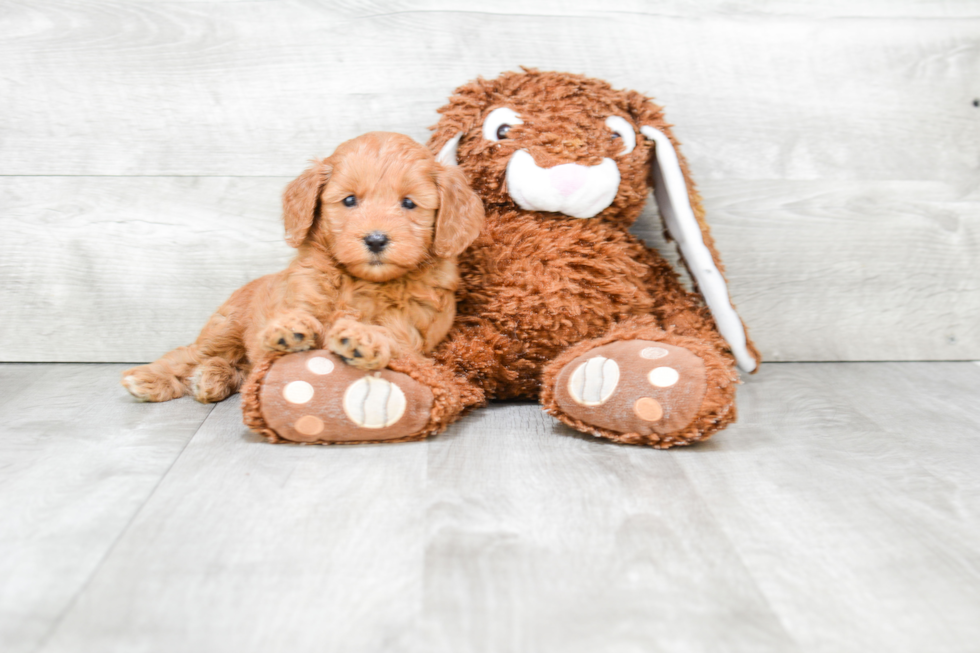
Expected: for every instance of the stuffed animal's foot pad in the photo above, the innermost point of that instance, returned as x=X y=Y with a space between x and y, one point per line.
x=633 y=386
x=315 y=397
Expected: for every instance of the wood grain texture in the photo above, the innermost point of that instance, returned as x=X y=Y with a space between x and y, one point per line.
x=835 y=143
x=297 y=548
x=77 y=460
x=874 y=91
x=541 y=539
x=109 y=269
x=858 y=490
x=825 y=271
x=125 y=269
x=840 y=514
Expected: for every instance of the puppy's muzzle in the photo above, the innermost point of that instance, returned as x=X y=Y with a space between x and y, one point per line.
x=376 y=241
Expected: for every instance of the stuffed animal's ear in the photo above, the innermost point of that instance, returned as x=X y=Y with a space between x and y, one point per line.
x=683 y=216
x=460 y=215
x=300 y=200
x=680 y=208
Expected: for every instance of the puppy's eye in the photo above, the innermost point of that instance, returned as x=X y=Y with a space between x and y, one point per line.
x=350 y=200
x=498 y=123
x=408 y=204
x=623 y=131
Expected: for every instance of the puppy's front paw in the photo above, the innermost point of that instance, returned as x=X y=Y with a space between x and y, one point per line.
x=363 y=346
x=291 y=332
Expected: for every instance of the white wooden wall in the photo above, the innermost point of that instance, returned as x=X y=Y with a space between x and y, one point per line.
x=144 y=144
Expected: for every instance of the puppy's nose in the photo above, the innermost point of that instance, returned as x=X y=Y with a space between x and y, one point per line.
x=376 y=241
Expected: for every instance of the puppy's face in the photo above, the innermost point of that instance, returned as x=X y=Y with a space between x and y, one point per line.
x=382 y=206
x=378 y=211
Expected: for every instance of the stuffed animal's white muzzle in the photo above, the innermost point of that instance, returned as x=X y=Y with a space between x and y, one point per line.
x=575 y=190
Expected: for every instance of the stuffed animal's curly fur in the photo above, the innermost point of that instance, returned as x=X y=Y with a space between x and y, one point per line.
x=543 y=291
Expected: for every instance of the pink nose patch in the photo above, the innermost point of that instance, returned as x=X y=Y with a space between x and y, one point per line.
x=568 y=178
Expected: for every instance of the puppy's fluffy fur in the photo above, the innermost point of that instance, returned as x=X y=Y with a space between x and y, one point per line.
x=365 y=305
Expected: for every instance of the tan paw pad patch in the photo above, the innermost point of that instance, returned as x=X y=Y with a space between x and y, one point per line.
x=309 y=425
x=313 y=396
x=656 y=388
x=648 y=409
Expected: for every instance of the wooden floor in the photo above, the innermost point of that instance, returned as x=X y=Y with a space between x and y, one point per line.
x=842 y=513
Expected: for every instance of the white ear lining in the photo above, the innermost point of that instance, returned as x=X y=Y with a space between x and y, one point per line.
x=448 y=154
x=675 y=206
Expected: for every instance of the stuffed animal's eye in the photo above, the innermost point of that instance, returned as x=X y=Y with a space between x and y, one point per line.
x=499 y=122
x=350 y=200
x=624 y=131
x=408 y=204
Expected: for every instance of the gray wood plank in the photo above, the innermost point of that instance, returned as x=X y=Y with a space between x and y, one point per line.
x=851 y=494
x=539 y=539
x=124 y=269
x=110 y=269
x=78 y=458
x=829 y=9
x=825 y=271
x=781 y=90
x=248 y=546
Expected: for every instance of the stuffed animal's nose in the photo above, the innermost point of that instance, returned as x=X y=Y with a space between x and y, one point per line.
x=568 y=178
x=376 y=241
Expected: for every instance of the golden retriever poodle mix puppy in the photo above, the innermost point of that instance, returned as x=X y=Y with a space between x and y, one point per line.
x=378 y=226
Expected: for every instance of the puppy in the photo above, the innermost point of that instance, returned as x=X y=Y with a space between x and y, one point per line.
x=378 y=226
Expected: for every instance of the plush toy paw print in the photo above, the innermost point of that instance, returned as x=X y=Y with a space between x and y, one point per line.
x=633 y=386
x=294 y=331
x=313 y=397
x=364 y=346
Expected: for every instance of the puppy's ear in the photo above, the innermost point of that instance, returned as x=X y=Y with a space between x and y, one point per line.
x=460 y=215
x=299 y=201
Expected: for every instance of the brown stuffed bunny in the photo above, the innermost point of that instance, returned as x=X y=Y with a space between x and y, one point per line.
x=558 y=301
